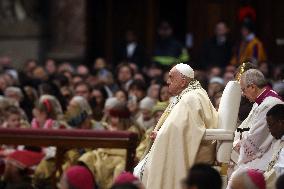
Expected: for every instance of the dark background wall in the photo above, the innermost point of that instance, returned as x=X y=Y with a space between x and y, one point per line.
x=80 y=31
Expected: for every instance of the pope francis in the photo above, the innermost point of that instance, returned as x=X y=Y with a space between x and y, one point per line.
x=178 y=144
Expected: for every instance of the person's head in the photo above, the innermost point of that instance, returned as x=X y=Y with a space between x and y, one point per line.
x=5 y=61
x=31 y=93
x=83 y=89
x=65 y=66
x=164 y=93
x=77 y=177
x=120 y=117
x=216 y=84
x=109 y=104
x=76 y=78
x=179 y=78
x=12 y=117
x=50 y=66
x=230 y=68
x=124 y=73
x=100 y=95
x=228 y=76
x=30 y=65
x=165 y=30
x=127 y=180
x=247 y=28
x=214 y=71
x=79 y=113
x=153 y=91
x=252 y=84
x=14 y=93
x=221 y=29
x=121 y=95
x=266 y=68
x=104 y=77
x=139 y=76
x=247 y=179
x=130 y=36
x=82 y=70
x=40 y=73
x=145 y=106
x=138 y=89
x=99 y=63
x=275 y=121
x=202 y=176
x=158 y=110
x=48 y=107
x=154 y=71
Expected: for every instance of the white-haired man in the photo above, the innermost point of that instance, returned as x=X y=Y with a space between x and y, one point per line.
x=177 y=145
x=253 y=149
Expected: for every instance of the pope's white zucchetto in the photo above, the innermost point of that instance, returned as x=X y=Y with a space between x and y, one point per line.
x=185 y=70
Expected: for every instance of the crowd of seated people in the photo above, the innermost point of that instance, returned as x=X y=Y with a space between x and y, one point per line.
x=64 y=96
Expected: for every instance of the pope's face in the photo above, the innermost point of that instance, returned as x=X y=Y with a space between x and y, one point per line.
x=176 y=82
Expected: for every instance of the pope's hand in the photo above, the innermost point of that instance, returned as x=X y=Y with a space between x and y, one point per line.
x=153 y=135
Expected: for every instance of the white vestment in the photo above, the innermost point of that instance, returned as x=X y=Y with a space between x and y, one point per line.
x=178 y=143
x=276 y=165
x=255 y=146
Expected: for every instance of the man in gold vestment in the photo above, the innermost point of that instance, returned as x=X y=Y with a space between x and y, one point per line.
x=178 y=143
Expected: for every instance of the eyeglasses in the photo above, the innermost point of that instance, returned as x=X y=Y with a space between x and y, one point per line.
x=244 y=89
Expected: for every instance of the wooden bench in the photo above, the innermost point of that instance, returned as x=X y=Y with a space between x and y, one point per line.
x=65 y=139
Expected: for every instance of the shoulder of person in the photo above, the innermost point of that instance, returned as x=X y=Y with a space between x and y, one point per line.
x=196 y=94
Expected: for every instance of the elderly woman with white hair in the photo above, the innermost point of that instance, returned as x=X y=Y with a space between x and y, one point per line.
x=14 y=93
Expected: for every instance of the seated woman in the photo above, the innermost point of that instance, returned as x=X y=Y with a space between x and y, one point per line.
x=106 y=164
x=79 y=115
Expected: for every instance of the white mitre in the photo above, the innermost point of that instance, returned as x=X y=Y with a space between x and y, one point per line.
x=185 y=70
